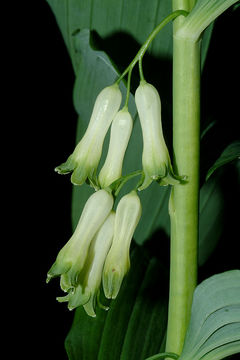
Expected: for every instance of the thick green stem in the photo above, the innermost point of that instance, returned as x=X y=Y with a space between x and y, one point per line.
x=184 y=199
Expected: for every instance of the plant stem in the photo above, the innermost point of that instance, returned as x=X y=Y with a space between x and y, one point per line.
x=183 y=206
x=128 y=88
x=147 y=43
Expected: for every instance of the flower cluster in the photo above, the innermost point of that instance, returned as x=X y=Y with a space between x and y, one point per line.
x=98 y=251
x=84 y=160
x=99 y=245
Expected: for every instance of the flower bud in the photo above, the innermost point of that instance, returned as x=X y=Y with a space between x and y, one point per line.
x=155 y=158
x=85 y=158
x=72 y=256
x=117 y=263
x=121 y=129
x=87 y=291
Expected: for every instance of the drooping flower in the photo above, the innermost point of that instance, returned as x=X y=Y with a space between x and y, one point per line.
x=72 y=257
x=155 y=158
x=121 y=129
x=117 y=263
x=85 y=158
x=88 y=289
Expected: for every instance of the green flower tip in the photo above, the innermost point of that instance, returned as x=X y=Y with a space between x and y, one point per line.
x=169 y=178
x=83 y=297
x=112 y=280
x=57 y=269
x=80 y=172
x=66 y=167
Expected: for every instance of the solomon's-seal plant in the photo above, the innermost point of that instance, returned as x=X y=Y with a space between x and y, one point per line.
x=97 y=254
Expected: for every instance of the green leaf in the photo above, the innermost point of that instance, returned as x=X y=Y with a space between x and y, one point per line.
x=106 y=17
x=201 y=16
x=211 y=214
x=214 y=329
x=232 y=152
x=139 y=304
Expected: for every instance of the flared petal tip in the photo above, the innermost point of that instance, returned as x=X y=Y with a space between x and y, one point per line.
x=66 y=167
x=146 y=181
x=172 y=179
x=57 y=269
x=79 y=175
x=89 y=308
x=49 y=277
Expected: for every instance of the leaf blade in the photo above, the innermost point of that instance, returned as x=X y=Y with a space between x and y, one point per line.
x=135 y=309
x=215 y=316
x=231 y=153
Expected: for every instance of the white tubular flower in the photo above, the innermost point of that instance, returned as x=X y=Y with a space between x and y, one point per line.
x=72 y=256
x=85 y=158
x=121 y=129
x=155 y=158
x=87 y=292
x=117 y=263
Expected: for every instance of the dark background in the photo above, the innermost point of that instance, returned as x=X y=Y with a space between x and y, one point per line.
x=45 y=134
x=40 y=208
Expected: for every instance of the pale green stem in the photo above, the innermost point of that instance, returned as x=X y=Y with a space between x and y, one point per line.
x=128 y=88
x=184 y=199
x=147 y=43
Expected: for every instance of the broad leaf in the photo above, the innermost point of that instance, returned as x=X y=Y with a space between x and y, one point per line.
x=214 y=329
x=120 y=21
x=211 y=211
x=139 y=313
x=201 y=16
x=109 y=17
x=231 y=153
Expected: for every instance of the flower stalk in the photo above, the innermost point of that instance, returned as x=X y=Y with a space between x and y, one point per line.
x=184 y=199
x=145 y=46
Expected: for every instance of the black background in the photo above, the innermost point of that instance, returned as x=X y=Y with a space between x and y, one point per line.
x=41 y=134
x=40 y=88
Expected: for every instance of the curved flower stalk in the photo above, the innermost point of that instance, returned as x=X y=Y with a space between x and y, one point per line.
x=155 y=158
x=85 y=158
x=87 y=292
x=73 y=255
x=121 y=129
x=117 y=263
